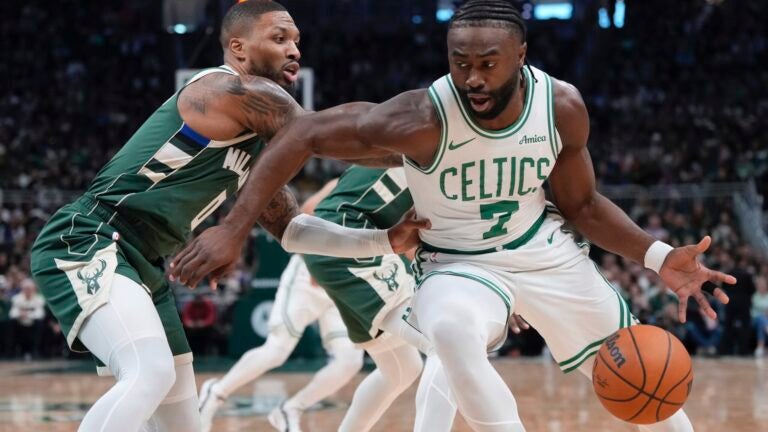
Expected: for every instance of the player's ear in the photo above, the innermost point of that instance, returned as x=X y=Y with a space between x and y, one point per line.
x=523 y=51
x=237 y=48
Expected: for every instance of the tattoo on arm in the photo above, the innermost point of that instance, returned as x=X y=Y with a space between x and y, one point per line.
x=279 y=212
x=266 y=106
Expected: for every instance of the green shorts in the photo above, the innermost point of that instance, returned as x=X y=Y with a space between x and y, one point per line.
x=75 y=258
x=364 y=290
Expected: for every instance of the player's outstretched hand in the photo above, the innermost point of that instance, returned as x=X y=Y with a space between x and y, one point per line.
x=405 y=235
x=684 y=274
x=213 y=253
x=517 y=324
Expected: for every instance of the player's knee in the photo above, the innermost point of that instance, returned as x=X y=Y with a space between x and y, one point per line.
x=158 y=374
x=448 y=333
x=278 y=354
x=348 y=359
x=412 y=367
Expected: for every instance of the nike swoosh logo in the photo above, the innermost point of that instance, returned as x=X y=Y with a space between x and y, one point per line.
x=453 y=146
x=549 y=240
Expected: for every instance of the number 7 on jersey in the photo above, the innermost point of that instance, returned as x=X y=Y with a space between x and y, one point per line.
x=504 y=210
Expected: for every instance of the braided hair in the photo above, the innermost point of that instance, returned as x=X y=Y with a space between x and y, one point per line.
x=491 y=13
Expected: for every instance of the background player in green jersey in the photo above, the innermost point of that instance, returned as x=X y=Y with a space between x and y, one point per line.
x=99 y=260
x=371 y=294
x=467 y=294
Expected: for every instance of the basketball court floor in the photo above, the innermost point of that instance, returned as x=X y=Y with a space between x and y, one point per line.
x=729 y=395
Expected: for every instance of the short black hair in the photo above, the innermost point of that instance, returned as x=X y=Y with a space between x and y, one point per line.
x=244 y=11
x=490 y=13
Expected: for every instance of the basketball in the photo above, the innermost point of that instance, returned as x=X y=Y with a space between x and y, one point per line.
x=642 y=374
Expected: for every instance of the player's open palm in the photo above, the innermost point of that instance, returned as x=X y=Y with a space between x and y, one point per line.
x=215 y=252
x=685 y=275
x=405 y=235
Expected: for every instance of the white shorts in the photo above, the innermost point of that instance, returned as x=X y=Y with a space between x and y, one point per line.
x=299 y=302
x=550 y=281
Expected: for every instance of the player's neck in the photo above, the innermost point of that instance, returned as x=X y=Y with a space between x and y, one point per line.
x=511 y=113
x=235 y=65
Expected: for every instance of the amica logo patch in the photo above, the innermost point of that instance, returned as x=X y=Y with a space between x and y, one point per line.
x=532 y=139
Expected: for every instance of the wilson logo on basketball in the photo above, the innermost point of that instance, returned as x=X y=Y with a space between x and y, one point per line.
x=615 y=352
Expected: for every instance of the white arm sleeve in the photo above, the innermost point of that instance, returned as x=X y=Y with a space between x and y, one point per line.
x=307 y=234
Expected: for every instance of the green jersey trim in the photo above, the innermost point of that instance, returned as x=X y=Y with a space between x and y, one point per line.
x=481 y=280
x=551 y=117
x=514 y=244
x=438 y=104
x=625 y=320
x=511 y=129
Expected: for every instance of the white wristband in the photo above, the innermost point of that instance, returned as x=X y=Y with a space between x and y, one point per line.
x=656 y=254
x=307 y=234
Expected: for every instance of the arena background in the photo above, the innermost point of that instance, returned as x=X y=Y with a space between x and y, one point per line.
x=677 y=94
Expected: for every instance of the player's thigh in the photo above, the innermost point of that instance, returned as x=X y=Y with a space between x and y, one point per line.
x=574 y=308
x=128 y=316
x=464 y=296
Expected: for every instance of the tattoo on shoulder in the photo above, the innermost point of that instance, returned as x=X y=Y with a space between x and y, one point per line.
x=266 y=107
x=279 y=212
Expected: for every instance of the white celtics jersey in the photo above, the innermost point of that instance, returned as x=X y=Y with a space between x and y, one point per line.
x=483 y=191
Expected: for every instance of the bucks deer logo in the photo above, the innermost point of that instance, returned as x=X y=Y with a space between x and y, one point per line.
x=388 y=276
x=91 y=279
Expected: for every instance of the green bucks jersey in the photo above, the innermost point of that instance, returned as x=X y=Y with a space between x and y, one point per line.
x=483 y=192
x=168 y=178
x=367 y=198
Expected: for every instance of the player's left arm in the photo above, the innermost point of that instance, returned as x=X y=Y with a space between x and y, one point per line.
x=572 y=182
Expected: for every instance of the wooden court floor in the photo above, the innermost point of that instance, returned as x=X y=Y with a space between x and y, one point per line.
x=729 y=395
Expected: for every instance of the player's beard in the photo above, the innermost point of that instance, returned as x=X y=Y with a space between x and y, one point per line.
x=500 y=97
x=275 y=75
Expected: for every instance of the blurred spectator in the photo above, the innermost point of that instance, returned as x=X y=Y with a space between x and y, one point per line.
x=738 y=322
x=199 y=317
x=760 y=314
x=27 y=313
x=705 y=332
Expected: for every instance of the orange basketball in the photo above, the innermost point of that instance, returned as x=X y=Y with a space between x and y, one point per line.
x=642 y=374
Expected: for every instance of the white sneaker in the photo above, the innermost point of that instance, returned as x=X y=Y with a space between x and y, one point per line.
x=209 y=404
x=285 y=419
x=759 y=352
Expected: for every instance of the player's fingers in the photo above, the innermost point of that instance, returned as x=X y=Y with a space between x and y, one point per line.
x=192 y=266
x=183 y=269
x=703 y=245
x=174 y=266
x=721 y=296
x=177 y=265
x=701 y=299
x=716 y=276
x=682 y=307
x=513 y=326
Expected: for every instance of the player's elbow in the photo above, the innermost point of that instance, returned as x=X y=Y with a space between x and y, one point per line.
x=581 y=210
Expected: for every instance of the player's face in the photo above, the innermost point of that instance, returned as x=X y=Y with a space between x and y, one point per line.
x=272 y=49
x=485 y=64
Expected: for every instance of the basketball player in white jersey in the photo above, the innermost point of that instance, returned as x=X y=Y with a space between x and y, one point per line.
x=299 y=302
x=478 y=146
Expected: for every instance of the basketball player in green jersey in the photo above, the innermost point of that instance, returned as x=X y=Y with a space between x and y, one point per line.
x=99 y=260
x=478 y=145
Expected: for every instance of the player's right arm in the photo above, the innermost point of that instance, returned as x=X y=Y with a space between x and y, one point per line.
x=406 y=124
